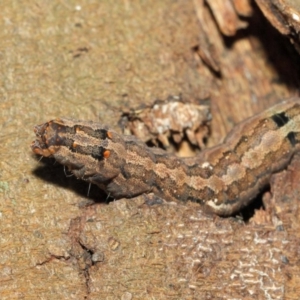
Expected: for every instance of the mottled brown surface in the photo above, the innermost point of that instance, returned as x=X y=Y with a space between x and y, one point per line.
x=170 y=124
x=284 y=15
x=89 y=62
x=187 y=255
x=224 y=178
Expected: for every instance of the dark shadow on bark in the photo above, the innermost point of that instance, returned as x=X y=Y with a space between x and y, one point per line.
x=56 y=174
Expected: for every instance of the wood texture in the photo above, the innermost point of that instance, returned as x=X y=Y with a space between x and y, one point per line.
x=93 y=60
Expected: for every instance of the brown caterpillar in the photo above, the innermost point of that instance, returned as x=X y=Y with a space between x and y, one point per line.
x=223 y=178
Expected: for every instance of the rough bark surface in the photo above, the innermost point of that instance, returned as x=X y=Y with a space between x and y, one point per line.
x=93 y=60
